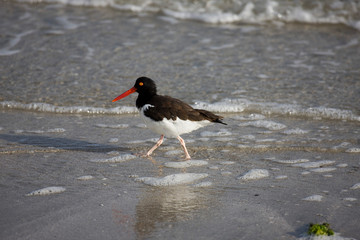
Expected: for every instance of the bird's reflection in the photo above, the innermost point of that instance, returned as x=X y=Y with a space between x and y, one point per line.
x=167 y=205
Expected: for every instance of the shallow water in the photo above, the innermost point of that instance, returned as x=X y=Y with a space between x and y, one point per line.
x=252 y=174
x=293 y=66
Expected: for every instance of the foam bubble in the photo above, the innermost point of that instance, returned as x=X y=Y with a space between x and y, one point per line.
x=133 y=176
x=353 y=150
x=300 y=64
x=314 y=164
x=85 y=178
x=224 y=46
x=56 y=130
x=172 y=180
x=328 y=175
x=222 y=132
x=288 y=161
x=324 y=53
x=113 y=153
x=117 y=159
x=250 y=117
x=226 y=105
x=185 y=164
x=266 y=140
x=29 y=131
x=45 y=107
x=350 y=199
x=342 y=165
x=53 y=130
x=281 y=177
x=203 y=184
x=295 y=131
x=262 y=146
x=227 y=163
x=322 y=170
x=100 y=125
x=113 y=140
x=313 y=198
x=254 y=174
x=248 y=137
x=47 y=191
x=153 y=140
x=224 y=139
x=226 y=173
x=214 y=167
x=271 y=125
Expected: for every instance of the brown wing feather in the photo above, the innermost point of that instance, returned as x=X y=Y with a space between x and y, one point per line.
x=171 y=108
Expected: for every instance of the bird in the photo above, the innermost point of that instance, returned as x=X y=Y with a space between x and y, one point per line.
x=167 y=116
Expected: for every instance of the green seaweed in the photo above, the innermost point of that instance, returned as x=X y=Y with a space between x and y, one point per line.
x=320 y=229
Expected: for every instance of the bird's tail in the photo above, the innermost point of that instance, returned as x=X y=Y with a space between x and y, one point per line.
x=211 y=117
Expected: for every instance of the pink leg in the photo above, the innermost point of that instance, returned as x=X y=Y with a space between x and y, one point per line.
x=182 y=142
x=158 y=143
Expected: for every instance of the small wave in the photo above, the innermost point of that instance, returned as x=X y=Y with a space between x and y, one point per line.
x=238 y=11
x=224 y=106
x=241 y=105
x=45 y=107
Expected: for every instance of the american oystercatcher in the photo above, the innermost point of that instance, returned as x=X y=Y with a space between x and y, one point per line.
x=167 y=116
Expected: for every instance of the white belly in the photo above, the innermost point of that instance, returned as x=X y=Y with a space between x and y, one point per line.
x=171 y=128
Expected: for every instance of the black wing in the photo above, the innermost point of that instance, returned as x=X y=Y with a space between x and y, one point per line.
x=171 y=108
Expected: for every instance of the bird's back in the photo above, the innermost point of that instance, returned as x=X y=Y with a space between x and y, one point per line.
x=172 y=108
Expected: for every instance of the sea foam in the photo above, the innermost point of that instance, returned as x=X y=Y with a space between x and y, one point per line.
x=185 y=164
x=222 y=106
x=172 y=180
x=313 y=198
x=271 y=125
x=45 y=107
x=225 y=12
x=46 y=191
x=114 y=126
x=117 y=159
x=254 y=174
x=314 y=164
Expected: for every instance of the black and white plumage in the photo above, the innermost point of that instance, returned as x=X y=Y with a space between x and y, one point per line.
x=167 y=116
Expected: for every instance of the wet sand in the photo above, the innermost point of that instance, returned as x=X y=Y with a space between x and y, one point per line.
x=106 y=200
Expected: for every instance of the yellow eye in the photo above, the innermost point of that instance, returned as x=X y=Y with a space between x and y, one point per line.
x=141 y=83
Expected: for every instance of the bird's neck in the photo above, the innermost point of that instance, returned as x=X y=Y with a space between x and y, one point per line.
x=143 y=99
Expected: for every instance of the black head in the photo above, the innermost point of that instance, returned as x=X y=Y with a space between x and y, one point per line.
x=145 y=86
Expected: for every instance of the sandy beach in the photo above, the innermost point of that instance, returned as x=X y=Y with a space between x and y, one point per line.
x=288 y=90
